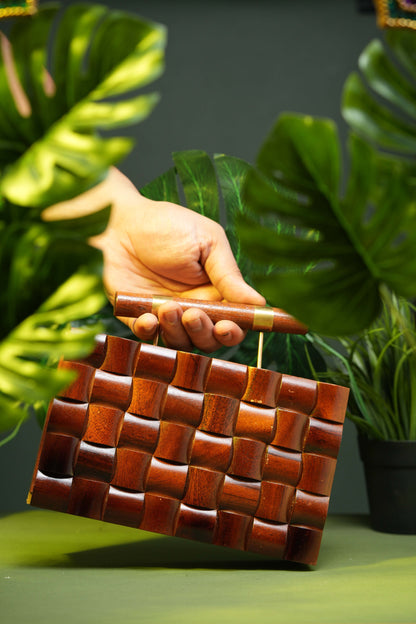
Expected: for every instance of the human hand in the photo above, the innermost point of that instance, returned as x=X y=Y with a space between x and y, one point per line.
x=159 y=248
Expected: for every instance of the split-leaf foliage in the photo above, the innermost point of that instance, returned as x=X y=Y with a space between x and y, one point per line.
x=79 y=71
x=331 y=268
x=346 y=263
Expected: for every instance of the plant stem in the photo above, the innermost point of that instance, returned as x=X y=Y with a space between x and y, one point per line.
x=14 y=433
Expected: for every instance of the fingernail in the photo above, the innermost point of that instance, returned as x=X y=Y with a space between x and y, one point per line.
x=195 y=325
x=172 y=317
x=149 y=331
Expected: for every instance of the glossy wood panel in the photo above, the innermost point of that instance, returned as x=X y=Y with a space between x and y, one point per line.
x=239 y=495
x=113 y=390
x=303 y=543
x=166 y=479
x=175 y=442
x=183 y=406
x=50 y=492
x=103 y=424
x=269 y=539
x=96 y=463
x=263 y=387
x=191 y=371
x=159 y=514
x=248 y=458
x=276 y=501
x=291 y=428
x=147 y=397
x=219 y=414
x=131 y=468
x=186 y=445
x=139 y=433
x=298 y=394
x=59 y=454
x=203 y=487
x=80 y=389
x=226 y=378
x=120 y=356
x=232 y=529
x=156 y=363
x=211 y=451
x=124 y=507
x=87 y=498
x=196 y=524
x=282 y=466
x=256 y=422
x=309 y=509
x=331 y=402
x=69 y=418
x=323 y=435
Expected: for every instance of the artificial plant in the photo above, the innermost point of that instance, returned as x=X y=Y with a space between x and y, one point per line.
x=66 y=78
x=379 y=366
x=352 y=255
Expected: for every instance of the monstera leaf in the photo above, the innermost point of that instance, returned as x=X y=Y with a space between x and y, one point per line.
x=28 y=378
x=39 y=260
x=328 y=271
x=68 y=82
x=53 y=147
x=380 y=102
x=213 y=187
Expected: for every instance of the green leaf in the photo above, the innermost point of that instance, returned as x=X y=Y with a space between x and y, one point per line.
x=380 y=367
x=163 y=188
x=374 y=121
x=79 y=72
x=380 y=104
x=26 y=354
x=41 y=259
x=211 y=186
x=329 y=268
x=231 y=173
x=197 y=175
x=100 y=57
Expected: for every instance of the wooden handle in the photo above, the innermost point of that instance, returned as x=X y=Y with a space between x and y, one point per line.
x=256 y=318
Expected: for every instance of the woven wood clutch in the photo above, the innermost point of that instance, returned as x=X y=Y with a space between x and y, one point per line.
x=195 y=447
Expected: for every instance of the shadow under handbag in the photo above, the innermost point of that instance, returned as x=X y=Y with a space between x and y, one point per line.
x=191 y=446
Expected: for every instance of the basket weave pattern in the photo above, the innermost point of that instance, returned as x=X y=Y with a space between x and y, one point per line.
x=193 y=447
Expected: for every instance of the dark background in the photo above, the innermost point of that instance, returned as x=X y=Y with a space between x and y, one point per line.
x=232 y=66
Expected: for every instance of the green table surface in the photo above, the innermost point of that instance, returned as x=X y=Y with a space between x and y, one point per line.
x=60 y=568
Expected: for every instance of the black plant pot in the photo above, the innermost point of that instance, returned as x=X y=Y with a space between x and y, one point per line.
x=390 y=471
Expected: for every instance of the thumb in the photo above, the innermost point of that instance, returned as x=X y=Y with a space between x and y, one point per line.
x=223 y=272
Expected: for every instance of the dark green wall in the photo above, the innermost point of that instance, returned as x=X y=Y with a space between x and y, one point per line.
x=232 y=67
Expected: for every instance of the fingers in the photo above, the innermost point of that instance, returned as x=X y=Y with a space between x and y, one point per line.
x=228 y=333
x=209 y=337
x=169 y=325
x=144 y=327
x=171 y=328
x=186 y=330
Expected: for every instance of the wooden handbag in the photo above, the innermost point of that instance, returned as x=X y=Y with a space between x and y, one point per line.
x=191 y=446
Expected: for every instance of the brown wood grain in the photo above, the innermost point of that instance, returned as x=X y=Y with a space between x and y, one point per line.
x=131 y=305
x=187 y=445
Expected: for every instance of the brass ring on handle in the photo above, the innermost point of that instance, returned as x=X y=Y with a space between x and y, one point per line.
x=263 y=319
